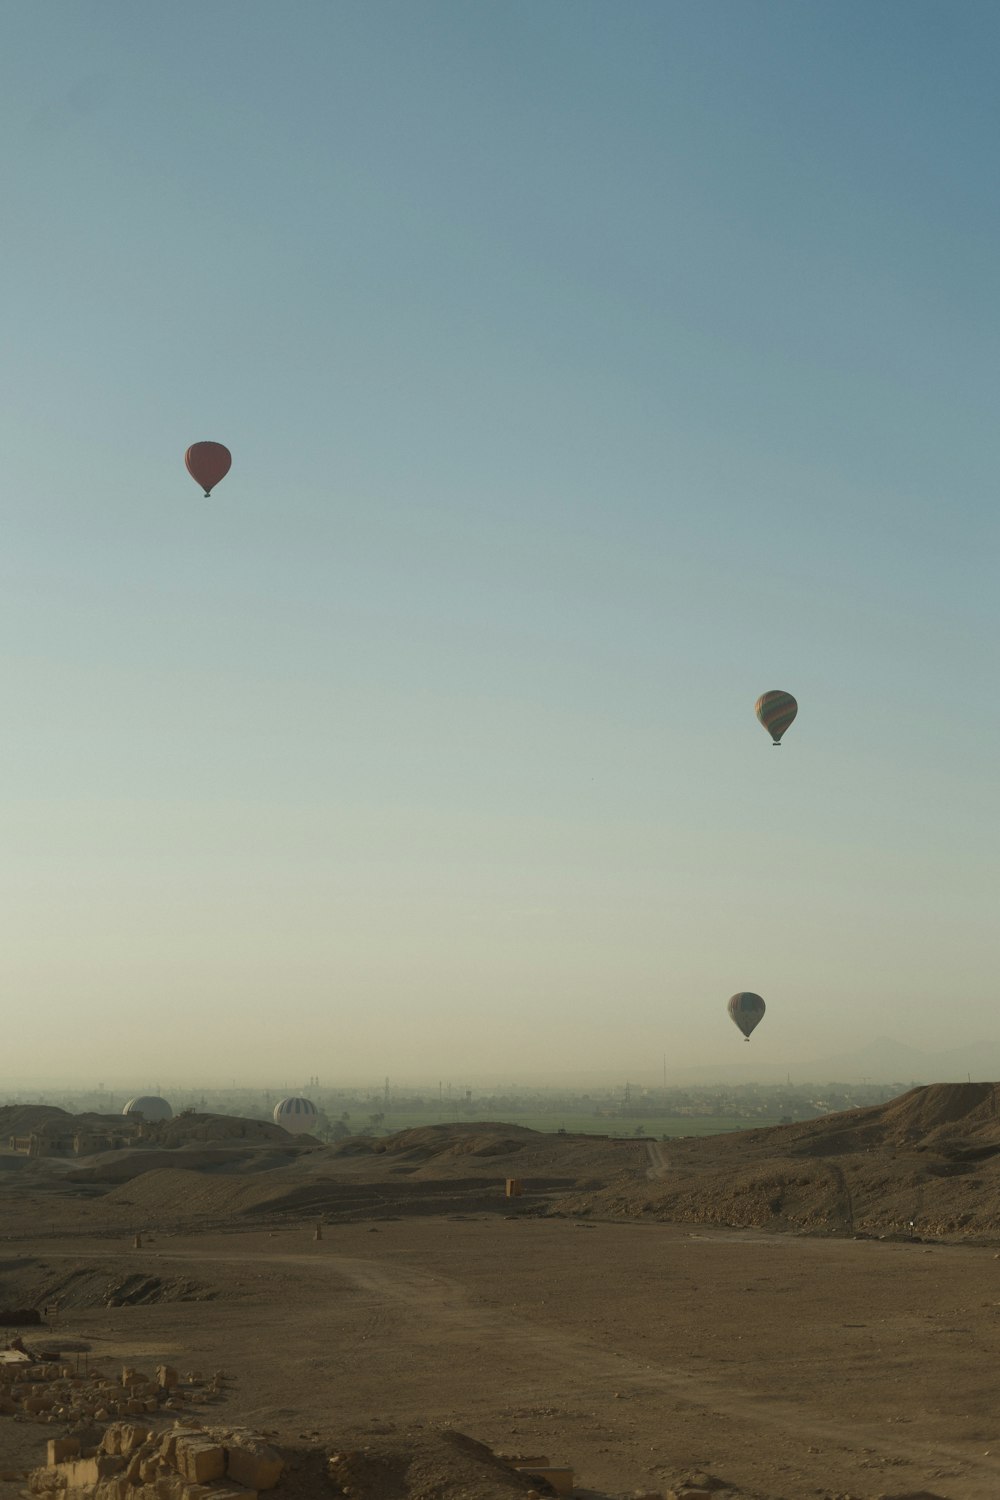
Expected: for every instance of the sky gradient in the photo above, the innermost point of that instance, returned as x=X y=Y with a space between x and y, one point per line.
x=588 y=369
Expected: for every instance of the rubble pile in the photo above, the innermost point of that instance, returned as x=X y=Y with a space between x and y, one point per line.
x=47 y=1391
x=135 y=1462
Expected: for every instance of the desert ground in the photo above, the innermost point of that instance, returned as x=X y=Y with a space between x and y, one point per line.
x=808 y=1311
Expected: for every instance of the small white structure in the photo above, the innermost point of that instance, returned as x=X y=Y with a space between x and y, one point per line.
x=296 y=1115
x=150 y=1106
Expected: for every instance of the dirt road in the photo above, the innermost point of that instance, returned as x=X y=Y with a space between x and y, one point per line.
x=657 y=1160
x=791 y=1368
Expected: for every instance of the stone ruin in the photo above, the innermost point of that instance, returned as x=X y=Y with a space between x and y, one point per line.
x=49 y=1391
x=130 y=1459
x=135 y=1462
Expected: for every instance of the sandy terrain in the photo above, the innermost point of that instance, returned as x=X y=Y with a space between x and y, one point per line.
x=585 y=1325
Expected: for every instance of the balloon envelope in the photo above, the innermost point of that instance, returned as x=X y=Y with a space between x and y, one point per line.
x=776 y=710
x=208 y=463
x=745 y=1010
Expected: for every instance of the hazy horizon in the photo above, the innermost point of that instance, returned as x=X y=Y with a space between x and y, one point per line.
x=588 y=371
x=884 y=1062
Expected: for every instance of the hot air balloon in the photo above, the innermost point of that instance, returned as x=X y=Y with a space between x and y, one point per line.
x=208 y=463
x=776 y=710
x=746 y=1009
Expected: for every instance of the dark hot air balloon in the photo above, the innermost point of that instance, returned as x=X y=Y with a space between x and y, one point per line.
x=776 y=710
x=745 y=1010
x=208 y=463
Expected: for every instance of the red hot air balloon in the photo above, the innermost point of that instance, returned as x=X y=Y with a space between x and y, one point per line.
x=207 y=463
x=776 y=710
x=745 y=1010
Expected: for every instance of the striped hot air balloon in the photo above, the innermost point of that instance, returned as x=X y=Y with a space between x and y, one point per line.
x=776 y=710
x=745 y=1010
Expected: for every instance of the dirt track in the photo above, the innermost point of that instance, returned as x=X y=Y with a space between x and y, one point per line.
x=789 y=1368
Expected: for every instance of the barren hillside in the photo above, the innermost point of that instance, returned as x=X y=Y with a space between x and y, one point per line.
x=925 y=1164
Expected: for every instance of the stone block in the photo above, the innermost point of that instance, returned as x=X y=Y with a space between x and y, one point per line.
x=58 y=1450
x=199 y=1460
x=169 y=1441
x=81 y=1473
x=115 y=1488
x=167 y=1377
x=169 y=1487
x=258 y=1468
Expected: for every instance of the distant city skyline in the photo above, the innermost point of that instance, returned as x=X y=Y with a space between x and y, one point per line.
x=588 y=371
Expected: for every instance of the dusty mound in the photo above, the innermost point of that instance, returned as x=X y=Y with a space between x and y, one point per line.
x=427 y=1141
x=122 y=1166
x=925 y=1113
x=424 y=1465
x=173 y=1193
x=168 y=1197
x=188 y=1128
x=925 y=1164
x=478 y=1148
x=426 y=1171
x=23 y=1119
x=36 y=1285
x=93 y=1287
x=245 y=1160
x=129 y=1290
x=921 y=1119
x=923 y=1116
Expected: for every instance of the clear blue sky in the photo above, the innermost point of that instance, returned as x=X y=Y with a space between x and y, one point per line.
x=589 y=369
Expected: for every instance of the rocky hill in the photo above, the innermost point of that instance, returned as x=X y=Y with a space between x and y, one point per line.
x=925 y=1164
